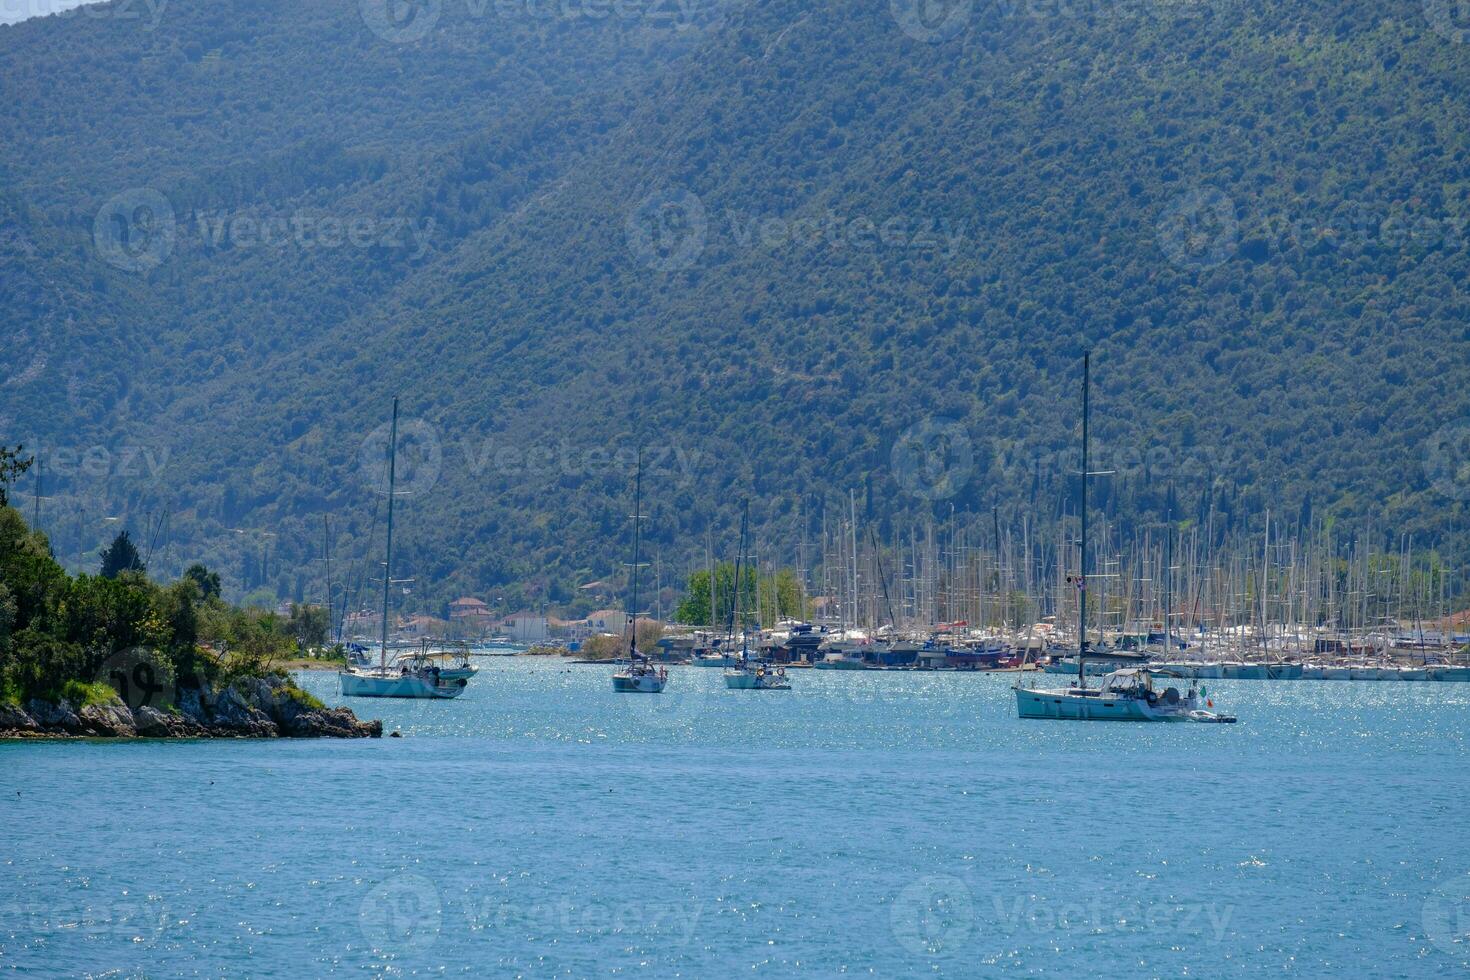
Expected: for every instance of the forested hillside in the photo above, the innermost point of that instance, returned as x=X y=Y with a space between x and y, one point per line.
x=783 y=246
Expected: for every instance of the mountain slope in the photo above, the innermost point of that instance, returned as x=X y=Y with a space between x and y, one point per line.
x=777 y=248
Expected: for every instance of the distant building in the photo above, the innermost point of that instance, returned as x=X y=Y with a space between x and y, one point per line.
x=422 y=626
x=526 y=627
x=607 y=621
x=363 y=623
x=470 y=616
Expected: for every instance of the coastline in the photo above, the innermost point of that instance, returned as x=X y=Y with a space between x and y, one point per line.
x=268 y=707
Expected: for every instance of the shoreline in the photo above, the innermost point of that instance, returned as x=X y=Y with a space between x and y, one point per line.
x=268 y=707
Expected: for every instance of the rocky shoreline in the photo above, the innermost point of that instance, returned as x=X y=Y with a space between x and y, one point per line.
x=269 y=707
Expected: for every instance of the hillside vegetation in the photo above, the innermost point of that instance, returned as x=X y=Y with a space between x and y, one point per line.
x=782 y=246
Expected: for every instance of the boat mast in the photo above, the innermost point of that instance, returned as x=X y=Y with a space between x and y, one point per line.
x=637 y=520
x=739 y=580
x=1168 y=565
x=1082 y=568
x=388 y=556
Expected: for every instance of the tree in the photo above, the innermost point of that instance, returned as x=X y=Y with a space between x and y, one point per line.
x=308 y=624
x=207 y=581
x=12 y=465
x=121 y=556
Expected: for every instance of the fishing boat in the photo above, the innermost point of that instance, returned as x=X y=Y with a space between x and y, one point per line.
x=641 y=675
x=748 y=674
x=418 y=677
x=1125 y=694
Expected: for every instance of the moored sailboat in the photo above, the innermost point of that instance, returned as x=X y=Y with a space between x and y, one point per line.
x=1125 y=694
x=750 y=675
x=416 y=679
x=640 y=676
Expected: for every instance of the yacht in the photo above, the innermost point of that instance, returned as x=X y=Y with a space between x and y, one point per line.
x=418 y=677
x=750 y=675
x=640 y=676
x=1125 y=694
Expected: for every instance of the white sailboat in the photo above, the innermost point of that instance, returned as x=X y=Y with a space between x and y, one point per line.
x=1126 y=694
x=640 y=676
x=418 y=679
x=747 y=674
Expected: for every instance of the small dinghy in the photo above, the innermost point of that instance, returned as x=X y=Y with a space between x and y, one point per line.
x=1210 y=718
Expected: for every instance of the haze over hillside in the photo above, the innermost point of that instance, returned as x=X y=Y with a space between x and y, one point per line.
x=783 y=246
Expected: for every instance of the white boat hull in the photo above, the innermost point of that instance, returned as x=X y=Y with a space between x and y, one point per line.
x=373 y=684
x=1065 y=705
x=640 y=682
x=755 y=679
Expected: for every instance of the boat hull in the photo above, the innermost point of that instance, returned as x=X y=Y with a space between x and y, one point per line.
x=751 y=680
x=649 y=683
x=1063 y=705
x=364 y=685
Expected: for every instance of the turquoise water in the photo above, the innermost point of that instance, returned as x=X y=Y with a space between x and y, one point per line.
x=863 y=823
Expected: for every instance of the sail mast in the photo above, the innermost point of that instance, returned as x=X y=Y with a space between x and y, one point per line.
x=637 y=520
x=388 y=557
x=1082 y=568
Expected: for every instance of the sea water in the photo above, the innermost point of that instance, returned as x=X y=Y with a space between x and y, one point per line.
x=876 y=823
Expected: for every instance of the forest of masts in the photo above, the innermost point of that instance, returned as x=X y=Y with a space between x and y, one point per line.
x=1278 y=579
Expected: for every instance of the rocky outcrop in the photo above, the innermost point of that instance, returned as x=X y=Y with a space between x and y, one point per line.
x=251 y=708
x=111 y=720
x=13 y=718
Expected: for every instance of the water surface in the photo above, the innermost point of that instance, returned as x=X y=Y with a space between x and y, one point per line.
x=862 y=823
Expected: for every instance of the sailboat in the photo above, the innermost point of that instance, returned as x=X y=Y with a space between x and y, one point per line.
x=747 y=674
x=420 y=678
x=1127 y=693
x=640 y=676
